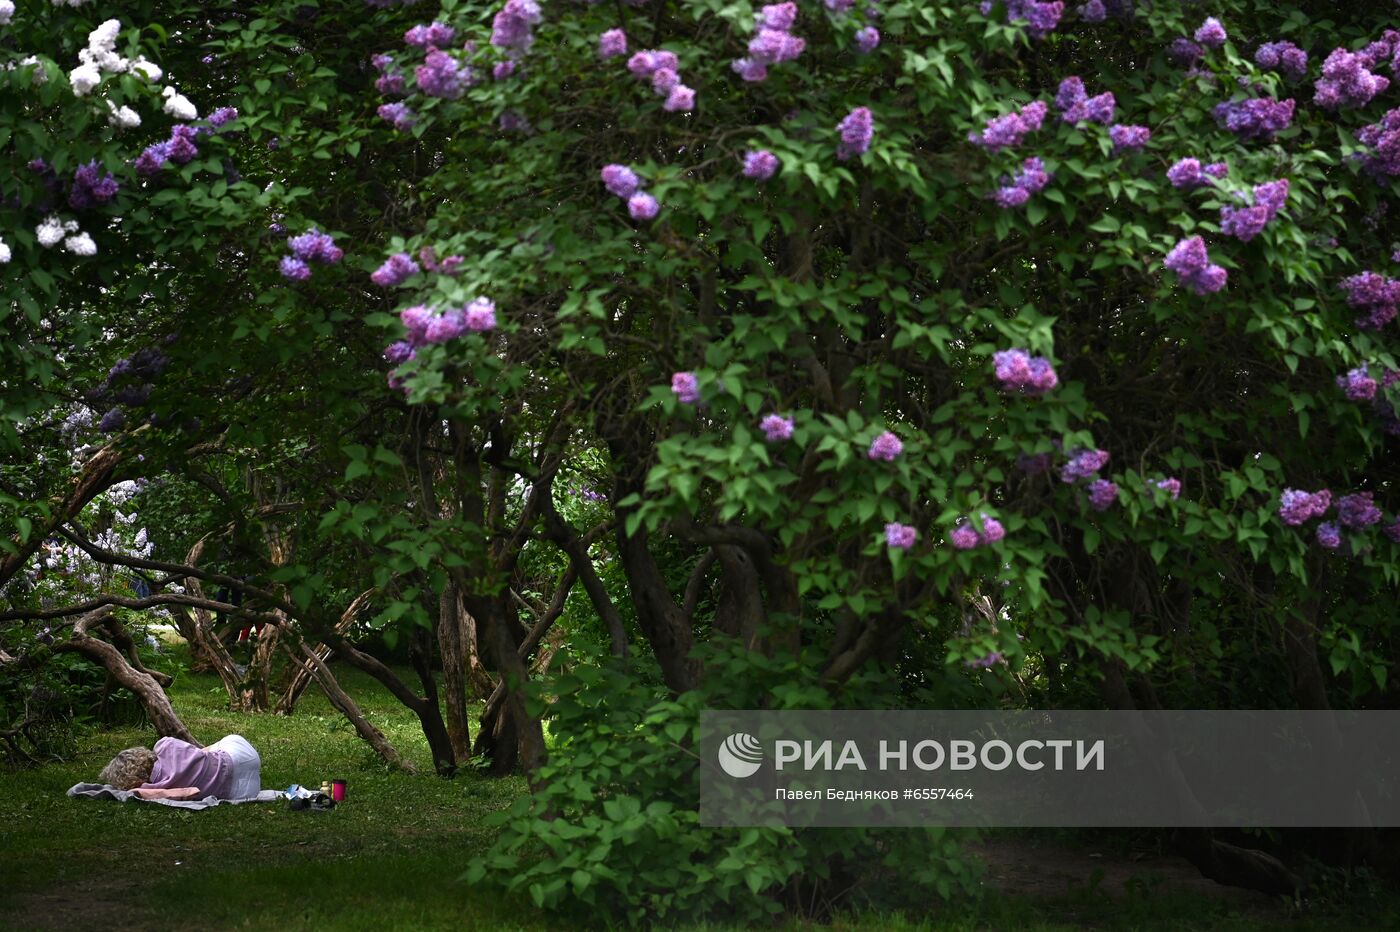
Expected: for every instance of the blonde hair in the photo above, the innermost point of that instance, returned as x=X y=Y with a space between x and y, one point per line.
x=129 y=769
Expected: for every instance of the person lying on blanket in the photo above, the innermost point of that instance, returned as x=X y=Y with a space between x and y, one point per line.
x=228 y=769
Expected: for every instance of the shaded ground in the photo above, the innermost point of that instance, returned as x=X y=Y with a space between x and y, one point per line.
x=391 y=857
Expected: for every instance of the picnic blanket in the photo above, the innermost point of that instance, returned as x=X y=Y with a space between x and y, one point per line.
x=104 y=791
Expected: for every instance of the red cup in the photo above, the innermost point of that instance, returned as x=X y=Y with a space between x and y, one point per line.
x=338 y=790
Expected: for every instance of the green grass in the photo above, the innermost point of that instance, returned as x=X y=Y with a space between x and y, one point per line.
x=391 y=856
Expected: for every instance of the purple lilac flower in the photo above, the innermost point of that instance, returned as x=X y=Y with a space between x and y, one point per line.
x=430 y=34
x=315 y=246
x=885 y=447
x=1254 y=118
x=382 y=62
x=1128 y=138
x=647 y=61
x=1184 y=53
x=295 y=269
x=900 y=536
x=510 y=30
x=686 y=386
x=642 y=206
x=1009 y=129
x=1070 y=92
x=398 y=352
x=1190 y=261
x=867 y=39
x=1358 y=385
x=441 y=75
x=780 y=16
x=1392 y=531
x=681 y=99
x=395 y=271
x=1040 y=17
x=113 y=421
x=1172 y=486
x=1383 y=139
x=503 y=69
x=612 y=43
x=963 y=537
x=1030 y=179
x=416 y=320
x=1374 y=296
x=1103 y=494
x=856 y=129
x=1211 y=34
x=1019 y=371
x=1093 y=12
x=223 y=116
x=1329 y=535
x=749 y=70
x=1034 y=463
x=390 y=84
x=1346 y=81
x=1083 y=464
x=1298 y=507
x=620 y=180
x=445 y=327
x=772 y=42
x=92 y=186
x=777 y=428
x=513 y=121
x=982 y=663
x=775 y=46
x=1077 y=107
x=840 y=7
x=760 y=165
x=1187 y=174
x=480 y=315
x=1283 y=56
x=992 y=530
x=1358 y=510
x=398 y=114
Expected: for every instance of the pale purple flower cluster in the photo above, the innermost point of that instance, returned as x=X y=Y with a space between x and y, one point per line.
x=1358 y=385
x=427 y=326
x=1358 y=510
x=1103 y=494
x=1329 y=535
x=1190 y=261
x=395 y=271
x=857 y=128
x=223 y=116
x=965 y=536
x=434 y=34
x=867 y=39
x=777 y=428
x=441 y=75
x=1183 y=52
x=839 y=7
x=1392 y=530
x=1009 y=129
x=686 y=386
x=1188 y=173
x=511 y=29
x=1093 y=12
x=1383 y=139
x=1076 y=106
x=772 y=42
x=660 y=68
x=1171 y=485
x=92 y=186
x=622 y=182
x=1255 y=117
x=992 y=659
x=760 y=164
x=1374 y=296
x=1014 y=192
x=179 y=148
x=612 y=43
x=1211 y=34
x=885 y=447
x=1083 y=464
x=399 y=114
x=1283 y=56
x=1245 y=223
x=1127 y=138
x=311 y=246
x=1019 y=371
x=1346 y=81
x=399 y=352
x=1298 y=507
x=390 y=80
x=1040 y=17
x=900 y=536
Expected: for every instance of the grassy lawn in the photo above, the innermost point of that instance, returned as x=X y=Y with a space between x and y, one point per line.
x=390 y=857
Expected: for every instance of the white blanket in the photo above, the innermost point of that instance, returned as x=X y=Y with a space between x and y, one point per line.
x=104 y=791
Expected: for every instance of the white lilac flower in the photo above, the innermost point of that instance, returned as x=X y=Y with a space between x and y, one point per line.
x=50 y=231
x=178 y=105
x=122 y=117
x=7 y=10
x=4 y=252
x=80 y=244
x=84 y=78
x=147 y=70
x=40 y=75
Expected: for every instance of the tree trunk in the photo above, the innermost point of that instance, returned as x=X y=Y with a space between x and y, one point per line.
x=342 y=701
x=303 y=671
x=156 y=702
x=451 y=640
